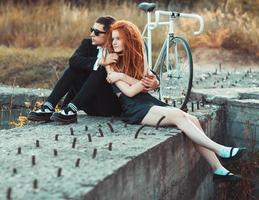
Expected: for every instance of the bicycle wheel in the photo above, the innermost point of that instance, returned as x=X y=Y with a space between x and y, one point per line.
x=176 y=80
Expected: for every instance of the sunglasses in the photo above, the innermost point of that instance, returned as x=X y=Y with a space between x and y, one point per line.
x=96 y=31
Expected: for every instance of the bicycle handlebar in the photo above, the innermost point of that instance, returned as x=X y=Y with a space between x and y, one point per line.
x=176 y=14
x=199 y=18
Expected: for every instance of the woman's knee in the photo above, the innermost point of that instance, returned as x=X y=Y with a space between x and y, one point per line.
x=194 y=119
x=178 y=117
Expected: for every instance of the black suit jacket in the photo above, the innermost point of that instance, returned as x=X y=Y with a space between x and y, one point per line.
x=95 y=96
x=84 y=57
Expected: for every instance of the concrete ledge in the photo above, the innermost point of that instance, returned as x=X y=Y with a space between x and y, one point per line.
x=12 y=97
x=221 y=96
x=159 y=164
x=241 y=107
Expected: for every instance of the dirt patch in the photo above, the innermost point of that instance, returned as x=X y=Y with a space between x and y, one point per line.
x=212 y=57
x=41 y=75
x=45 y=74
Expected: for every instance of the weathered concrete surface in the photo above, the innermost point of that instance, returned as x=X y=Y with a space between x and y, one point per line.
x=159 y=164
x=16 y=96
x=241 y=107
x=16 y=101
x=226 y=78
x=223 y=95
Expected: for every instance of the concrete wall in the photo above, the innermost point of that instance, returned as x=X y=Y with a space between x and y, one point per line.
x=241 y=107
x=243 y=122
x=171 y=170
x=13 y=97
x=160 y=164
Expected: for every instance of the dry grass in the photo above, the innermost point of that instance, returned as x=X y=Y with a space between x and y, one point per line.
x=38 y=67
x=231 y=30
x=47 y=34
x=63 y=25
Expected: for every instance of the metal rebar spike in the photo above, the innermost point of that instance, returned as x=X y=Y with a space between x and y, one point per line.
x=74 y=143
x=139 y=129
x=77 y=162
x=94 y=153
x=14 y=171
x=59 y=172
x=9 y=193
x=33 y=160
x=89 y=137
x=55 y=152
x=71 y=131
x=37 y=143
x=110 y=126
x=159 y=121
x=19 y=150
x=35 y=184
x=198 y=105
x=56 y=137
x=110 y=146
x=101 y=132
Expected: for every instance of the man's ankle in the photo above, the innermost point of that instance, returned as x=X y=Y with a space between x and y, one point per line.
x=72 y=107
x=48 y=105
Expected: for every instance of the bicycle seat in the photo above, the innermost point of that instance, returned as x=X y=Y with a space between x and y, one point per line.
x=147 y=7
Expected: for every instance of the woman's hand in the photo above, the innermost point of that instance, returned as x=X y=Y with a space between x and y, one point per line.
x=113 y=77
x=150 y=82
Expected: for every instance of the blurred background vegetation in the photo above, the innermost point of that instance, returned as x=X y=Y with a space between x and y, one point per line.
x=38 y=36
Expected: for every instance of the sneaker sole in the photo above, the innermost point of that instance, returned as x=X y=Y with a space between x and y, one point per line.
x=63 y=121
x=39 y=119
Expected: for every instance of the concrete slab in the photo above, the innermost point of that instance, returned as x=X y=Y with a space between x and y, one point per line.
x=159 y=164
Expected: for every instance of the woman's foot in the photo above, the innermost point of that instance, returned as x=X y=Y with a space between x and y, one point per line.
x=223 y=175
x=231 y=153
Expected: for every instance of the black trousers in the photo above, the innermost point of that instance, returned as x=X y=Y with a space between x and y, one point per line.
x=89 y=91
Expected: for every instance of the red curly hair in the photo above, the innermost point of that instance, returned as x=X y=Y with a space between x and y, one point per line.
x=131 y=62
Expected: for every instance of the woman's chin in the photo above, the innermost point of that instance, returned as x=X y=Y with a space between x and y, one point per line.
x=117 y=51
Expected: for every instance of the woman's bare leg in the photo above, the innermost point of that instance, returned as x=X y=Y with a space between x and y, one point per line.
x=209 y=155
x=201 y=142
x=174 y=116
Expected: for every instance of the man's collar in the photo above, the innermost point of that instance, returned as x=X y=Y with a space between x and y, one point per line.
x=99 y=47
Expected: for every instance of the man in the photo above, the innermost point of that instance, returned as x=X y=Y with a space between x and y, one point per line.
x=84 y=82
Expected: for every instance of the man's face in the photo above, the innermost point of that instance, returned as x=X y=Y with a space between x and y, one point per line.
x=98 y=34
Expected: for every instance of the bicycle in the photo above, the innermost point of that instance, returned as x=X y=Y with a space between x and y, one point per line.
x=174 y=63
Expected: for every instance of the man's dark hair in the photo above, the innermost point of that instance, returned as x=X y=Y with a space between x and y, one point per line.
x=106 y=21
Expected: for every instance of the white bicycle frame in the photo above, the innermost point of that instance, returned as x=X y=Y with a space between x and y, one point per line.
x=150 y=26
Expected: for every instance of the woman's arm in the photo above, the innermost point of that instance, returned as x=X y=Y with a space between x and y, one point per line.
x=116 y=76
x=130 y=90
x=128 y=79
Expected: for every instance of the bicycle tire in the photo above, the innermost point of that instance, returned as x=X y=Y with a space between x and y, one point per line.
x=175 y=85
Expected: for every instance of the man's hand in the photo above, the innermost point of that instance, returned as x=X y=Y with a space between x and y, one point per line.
x=113 y=77
x=150 y=82
x=109 y=59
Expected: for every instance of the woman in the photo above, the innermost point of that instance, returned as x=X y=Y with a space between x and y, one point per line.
x=142 y=108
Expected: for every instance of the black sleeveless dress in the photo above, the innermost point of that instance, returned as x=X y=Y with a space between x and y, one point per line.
x=134 y=109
